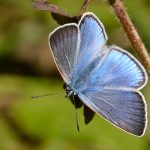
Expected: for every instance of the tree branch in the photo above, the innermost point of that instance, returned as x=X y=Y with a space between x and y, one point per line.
x=131 y=32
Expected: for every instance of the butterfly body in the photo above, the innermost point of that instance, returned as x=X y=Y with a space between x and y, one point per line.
x=107 y=79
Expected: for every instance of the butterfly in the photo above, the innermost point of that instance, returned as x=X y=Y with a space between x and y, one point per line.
x=106 y=79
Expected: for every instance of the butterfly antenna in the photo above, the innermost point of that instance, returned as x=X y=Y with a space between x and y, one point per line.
x=48 y=94
x=77 y=123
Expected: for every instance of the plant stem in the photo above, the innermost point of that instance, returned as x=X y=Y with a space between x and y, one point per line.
x=85 y=7
x=45 y=6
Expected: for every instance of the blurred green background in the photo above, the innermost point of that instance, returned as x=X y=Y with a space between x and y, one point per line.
x=27 y=69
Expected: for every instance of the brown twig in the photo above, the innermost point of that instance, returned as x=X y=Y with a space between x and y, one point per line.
x=131 y=32
x=45 y=6
x=58 y=14
x=85 y=7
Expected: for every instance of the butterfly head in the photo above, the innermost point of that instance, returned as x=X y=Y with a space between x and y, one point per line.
x=69 y=91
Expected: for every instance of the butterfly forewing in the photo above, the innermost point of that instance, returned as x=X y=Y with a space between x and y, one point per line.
x=64 y=44
x=93 y=39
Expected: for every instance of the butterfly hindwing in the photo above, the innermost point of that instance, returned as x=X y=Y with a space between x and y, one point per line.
x=124 y=108
x=119 y=70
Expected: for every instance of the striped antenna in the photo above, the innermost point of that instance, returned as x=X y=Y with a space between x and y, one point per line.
x=48 y=94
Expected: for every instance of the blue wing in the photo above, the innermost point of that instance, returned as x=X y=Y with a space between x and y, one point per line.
x=116 y=69
x=92 y=40
x=63 y=43
x=110 y=88
x=124 y=108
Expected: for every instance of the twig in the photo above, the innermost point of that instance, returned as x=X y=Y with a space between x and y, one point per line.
x=131 y=32
x=58 y=14
x=45 y=6
x=85 y=7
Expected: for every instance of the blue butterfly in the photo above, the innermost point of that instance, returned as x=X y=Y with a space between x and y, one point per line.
x=107 y=79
